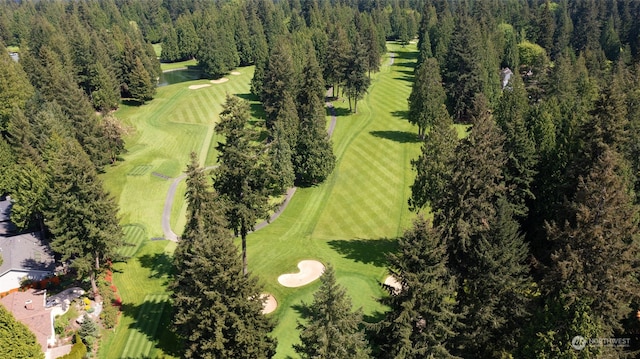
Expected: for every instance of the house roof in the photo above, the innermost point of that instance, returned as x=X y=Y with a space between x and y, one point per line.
x=32 y=314
x=24 y=251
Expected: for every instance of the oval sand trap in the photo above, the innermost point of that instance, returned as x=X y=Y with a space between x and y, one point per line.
x=195 y=87
x=310 y=270
x=392 y=282
x=270 y=303
x=235 y=73
x=219 y=81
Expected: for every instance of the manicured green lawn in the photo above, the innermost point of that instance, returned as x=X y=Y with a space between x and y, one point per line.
x=350 y=221
x=146 y=274
x=162 y=134
x=165 y=66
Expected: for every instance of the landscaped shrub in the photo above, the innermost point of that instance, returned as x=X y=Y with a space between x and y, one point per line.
x=88 y=331
x=111 y=301
x=78 y=350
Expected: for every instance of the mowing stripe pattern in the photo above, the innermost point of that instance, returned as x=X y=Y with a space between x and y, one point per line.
x=140 y=341
x=134 y=235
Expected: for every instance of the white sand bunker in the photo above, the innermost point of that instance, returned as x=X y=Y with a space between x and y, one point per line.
x=235 y=73
x=392 y=282
x=219 y=81
x=310 y=270
x=270 y=303
x=195 y=87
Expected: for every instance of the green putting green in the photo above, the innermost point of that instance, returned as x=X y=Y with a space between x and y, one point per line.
x=350 y=221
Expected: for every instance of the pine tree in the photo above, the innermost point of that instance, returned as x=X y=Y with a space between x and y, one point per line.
x=422 y=320
x=496 y=290
x=595 y=252
x=15 y=88
x=218 y=308
x=372 y=47
x=281 y=158
x=16 y=340
x=427 y=96
x=278 y=79
x=356 y=79
x=522 y=158
x=7 y=165
x=468 y=203
x=187 y=37
x=201 y=216
x=29 y=186
x=467 y=69
x=332 y=330
x=80 y=215
x=483 y=243
x=314 y=159
x=434 y=166
x=170 y=50
x=242 y=180
x=334 y=72
x=140 y=88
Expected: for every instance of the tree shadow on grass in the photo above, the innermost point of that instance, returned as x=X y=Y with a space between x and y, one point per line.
x=339 y=111
x=163 y=337
x=160 y=264
x=403 y=114
x=257 y=111
x=397 y=136
x=368 y=251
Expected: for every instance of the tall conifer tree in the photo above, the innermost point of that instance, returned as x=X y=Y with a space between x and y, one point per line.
x=332 y=329
x=81 y=216
x=242 y=179
x=422 y=320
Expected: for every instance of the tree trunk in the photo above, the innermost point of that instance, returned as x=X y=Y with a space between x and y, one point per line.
x=355 y=105
x=350 y=109
x=94 y=286
x=244 y=254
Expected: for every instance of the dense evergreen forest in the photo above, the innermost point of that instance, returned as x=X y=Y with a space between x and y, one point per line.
x=527 y=228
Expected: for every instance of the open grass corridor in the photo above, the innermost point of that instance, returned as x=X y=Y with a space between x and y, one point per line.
x=350 y=221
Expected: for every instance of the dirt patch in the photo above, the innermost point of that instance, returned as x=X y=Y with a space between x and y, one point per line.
x=219 y=81
x=235 y=73
x=270 y=303
x=310 y=270
x=195 y=87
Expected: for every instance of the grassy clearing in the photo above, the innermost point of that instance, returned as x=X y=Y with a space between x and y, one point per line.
x=350 y=221
x=140 y=341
